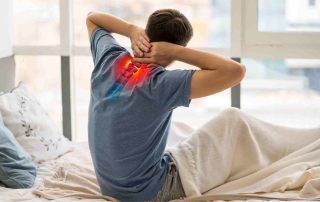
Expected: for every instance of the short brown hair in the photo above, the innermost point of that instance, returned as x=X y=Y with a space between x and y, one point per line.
x=169 y=25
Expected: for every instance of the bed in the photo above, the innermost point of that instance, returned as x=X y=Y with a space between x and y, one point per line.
x=70 y=177
x=66 y=172
x=56 y=180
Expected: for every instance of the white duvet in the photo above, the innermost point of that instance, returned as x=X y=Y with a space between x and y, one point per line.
x=71 y=177
x=237 y=156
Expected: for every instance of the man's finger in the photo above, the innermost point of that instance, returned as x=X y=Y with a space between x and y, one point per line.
x=146 y=37
x=143 y=60
x=143 y=47
x=135 y=54
x=138 y=51
x=145 y=42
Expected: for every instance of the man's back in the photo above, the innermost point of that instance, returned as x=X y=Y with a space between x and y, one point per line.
x=129 y=121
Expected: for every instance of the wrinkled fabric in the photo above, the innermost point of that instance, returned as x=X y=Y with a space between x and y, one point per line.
x=236 y=155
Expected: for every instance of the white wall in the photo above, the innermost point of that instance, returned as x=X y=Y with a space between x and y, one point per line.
x=7 y=69
x=6 y=28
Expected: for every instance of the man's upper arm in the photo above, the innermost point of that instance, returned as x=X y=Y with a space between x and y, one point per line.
x=102 y=43
x=90 y=26
x=208 y=82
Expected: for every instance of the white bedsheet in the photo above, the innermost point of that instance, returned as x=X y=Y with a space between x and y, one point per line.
x=71 y=178
x=80 y=155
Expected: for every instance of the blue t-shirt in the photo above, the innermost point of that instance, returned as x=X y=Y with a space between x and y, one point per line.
x=128 y=133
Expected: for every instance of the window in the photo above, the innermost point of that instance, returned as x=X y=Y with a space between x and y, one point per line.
x=277 y=29
x=289 y=15
x=42 y=75
x=262 y=33
x=283 y=91
x=210 y=19
x=36 y=22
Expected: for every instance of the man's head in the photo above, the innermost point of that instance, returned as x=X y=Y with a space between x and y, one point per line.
x=169 y=25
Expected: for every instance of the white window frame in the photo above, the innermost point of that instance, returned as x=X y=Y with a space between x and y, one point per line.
x=276 y=45
x=245 y=42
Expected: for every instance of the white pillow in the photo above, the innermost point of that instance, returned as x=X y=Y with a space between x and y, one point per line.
x=31 y=125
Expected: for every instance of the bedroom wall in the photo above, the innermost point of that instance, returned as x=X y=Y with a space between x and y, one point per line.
x=7 y=67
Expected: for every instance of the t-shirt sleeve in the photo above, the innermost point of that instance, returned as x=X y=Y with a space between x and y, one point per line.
x=174 y=88
x=102 y=43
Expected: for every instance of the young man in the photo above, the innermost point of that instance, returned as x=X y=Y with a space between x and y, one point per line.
x=132 y=100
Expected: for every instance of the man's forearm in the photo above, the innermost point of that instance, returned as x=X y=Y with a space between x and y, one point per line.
x=217 y=74
x=203 y=60
x=110 y=23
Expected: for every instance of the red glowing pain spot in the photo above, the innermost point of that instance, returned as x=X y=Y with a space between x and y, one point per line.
x=129 y=73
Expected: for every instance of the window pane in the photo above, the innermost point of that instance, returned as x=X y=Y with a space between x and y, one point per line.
x=42 y=75
x=289 y=15
x=210 y=18
x=36 y=22
x=199 y=112
x=285 y=92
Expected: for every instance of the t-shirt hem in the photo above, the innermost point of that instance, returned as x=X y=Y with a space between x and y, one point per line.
x=147 y=195
x=161 y=184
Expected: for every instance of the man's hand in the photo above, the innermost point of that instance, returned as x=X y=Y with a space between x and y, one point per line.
x=139 y=41
x=161 y=53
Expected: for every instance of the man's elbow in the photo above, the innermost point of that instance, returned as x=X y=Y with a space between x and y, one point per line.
x=88 y=17
x=90 y=14
x=242 y=71
x=238 y=73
